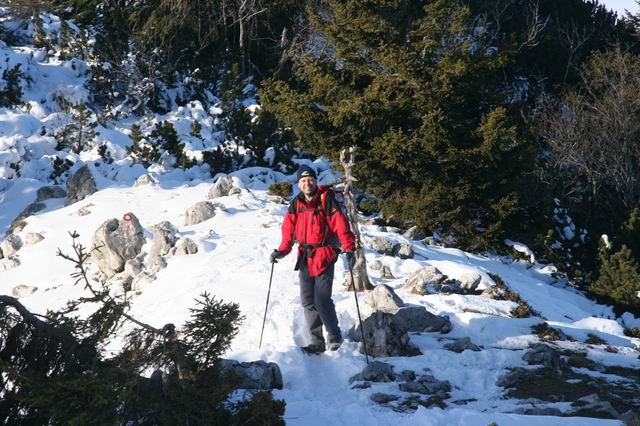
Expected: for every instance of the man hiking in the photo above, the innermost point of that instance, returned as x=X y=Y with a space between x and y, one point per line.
x=316 y=221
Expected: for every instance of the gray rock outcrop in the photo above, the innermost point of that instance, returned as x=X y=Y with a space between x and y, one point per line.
x=145 y=179
x=164 y=238
x=386 y=273
x=382 y=245
x=426 y=384
x=413 y=234
x=403 y=251
x=80 y=185
x=418 y=281
x=254 y=375
x=32 y=238
x=185 y=246
x=377 y=372
x=540 y=353
x=221 y=188
x=201 y=211
x=376 y=265
x=461 y=345
x=470 y=281
x=115 y=242
x=9 y=263
x=47 y=192
x=23 y=290
x=11 y=245
x=384 y=299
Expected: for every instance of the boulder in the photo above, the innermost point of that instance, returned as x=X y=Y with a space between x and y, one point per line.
x=593 y=406
x=19 y=223
x=387 y=334
x=403 y=251
x=84 y=210
x=47 y=192
x=470 y=281
x=376 y=265
x=115 y=242
x=142 y=281
x=461 y=345
x=254 y=375
x=514 y=376
x=495 y=293
x=164 y=238
x=413 y=233
x=539 y=353
x=157 y=263
x=11 y=245
x=384 y=299
x=382 y=245
x=221 y=188
x=630 y=418
x=406 y=375
x=426 y=384
x=543 y=411
x=201 y=211
x=32 y=238
x=133 y=267
x=23 y=290
x=386 y=273
x=145 y=179
x=383 y=398
x=9 y=263
x=377 y=372
x=418 y=281
x=80 y=185
x=185 y=246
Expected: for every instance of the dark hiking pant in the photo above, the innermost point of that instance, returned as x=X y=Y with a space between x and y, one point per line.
x=319 y=310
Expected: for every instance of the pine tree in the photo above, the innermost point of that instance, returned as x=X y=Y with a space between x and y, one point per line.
x=39 y=36
x=11 y=93
x=422 y=96
x=236 y=118
x=81 y=131
x=141 y=150
x=65 y=40
x=196 y=129
x=619 y=277
x=165 y=136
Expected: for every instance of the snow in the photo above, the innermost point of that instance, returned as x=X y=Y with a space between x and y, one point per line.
x=232 y=264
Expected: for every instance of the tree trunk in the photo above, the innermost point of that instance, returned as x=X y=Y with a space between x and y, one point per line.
x=360 y=275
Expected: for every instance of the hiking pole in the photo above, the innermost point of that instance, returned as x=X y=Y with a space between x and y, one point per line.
x=267 y=305
x=355 y=293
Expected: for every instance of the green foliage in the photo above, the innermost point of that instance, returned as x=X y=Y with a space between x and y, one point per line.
x=164 y=135
x=143 y=151
x=60 y=168
x=439 y=141
x=281 y=189
x=65 y=39
x=219 y=160
x=196 y=129
x=78 y=134
x=619 y=277
x=55 y=371
x=11 y=91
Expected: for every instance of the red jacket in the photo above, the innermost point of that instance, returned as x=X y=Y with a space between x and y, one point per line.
x=319 y=222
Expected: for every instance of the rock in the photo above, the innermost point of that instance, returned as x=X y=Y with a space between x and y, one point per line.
x=18 y=223
x=9 y=263
x=629 y=418
x=432 y=241
x=386 y=273
x=413 y=234
x=164 y=238
x=377 y=372
x=403 y=251
x=470 y=281
x=221 y=188
x=461 y=345
x=156 y=264
x=513 y=377
x=145 y=179
x=383 y=398
x=80 y=185
x=115 y=242
x=406 y=375
x=11 y=245
x=32 y=238
x=23 y=290
x=253 y=375
x=47 y=192
x=592 y=406
x=387 y=334
x=543 y=411
x=234 y=191
x=133 y=267
x=494 y=293
x=185 y=246
x=384 y=299
x=363 y=385
x=382 y=245
x=449 y=287
x=426 y=385
x=544 y=355
x=84 y=210
x=418 y=281
x=201 y=211
x=376 y=265
x=142 y=281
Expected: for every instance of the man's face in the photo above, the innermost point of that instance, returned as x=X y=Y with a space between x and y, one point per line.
x=307 y=185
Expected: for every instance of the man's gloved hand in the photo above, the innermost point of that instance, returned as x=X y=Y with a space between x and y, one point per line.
x=276 y=255
x=351 y=258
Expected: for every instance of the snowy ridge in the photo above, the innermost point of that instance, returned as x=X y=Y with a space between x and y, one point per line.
x=232 y=263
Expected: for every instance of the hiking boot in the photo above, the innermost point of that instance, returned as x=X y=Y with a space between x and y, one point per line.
x=335 y=343
x=313 y=349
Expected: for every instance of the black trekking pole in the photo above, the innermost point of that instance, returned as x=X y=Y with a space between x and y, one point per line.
x=355 y=293
x=267 y=305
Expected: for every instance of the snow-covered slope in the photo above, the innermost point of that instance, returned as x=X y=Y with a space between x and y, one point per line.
x=232 y=263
